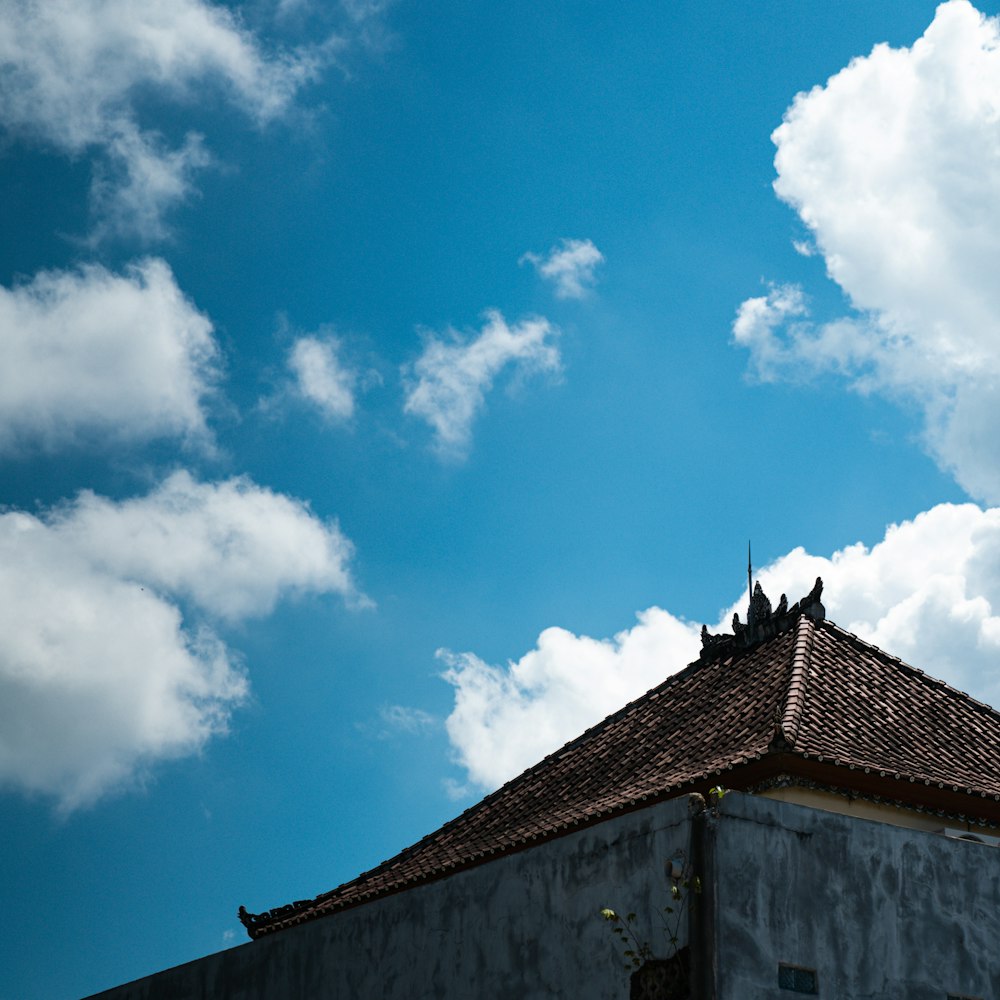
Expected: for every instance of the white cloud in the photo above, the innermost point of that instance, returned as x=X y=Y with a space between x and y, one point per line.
x=73 y=73
x=102 y=674
x=570 y=266
x=894 y=165
x=783 y=343
x=929 y=592
x=232 y=548
x=321 y=378
x=90 y=351
x=446 y=386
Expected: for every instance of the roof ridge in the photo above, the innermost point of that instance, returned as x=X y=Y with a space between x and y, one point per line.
x=805 y=630
x=923 y=675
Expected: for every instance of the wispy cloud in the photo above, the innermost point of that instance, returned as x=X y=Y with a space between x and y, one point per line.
x=785 y=344
x=87 y=350
x=109 y=662
x=139 y=179
x=929 y=592
x=366 y=10
x=447 y=385
x=894 y=165
x=71 y=72
x=404 y=719
x=570 y=266
x=321 y=378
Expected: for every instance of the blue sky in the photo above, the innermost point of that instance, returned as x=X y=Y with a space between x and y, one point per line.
x=387 y=393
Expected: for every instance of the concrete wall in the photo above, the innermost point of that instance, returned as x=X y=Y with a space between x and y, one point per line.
x=524 y=926
x=877 y=910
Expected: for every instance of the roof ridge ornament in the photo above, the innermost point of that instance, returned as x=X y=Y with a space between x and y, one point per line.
x=763 y=622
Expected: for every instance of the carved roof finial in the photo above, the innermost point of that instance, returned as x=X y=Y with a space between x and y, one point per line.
x=811 y=604
x=760 y=606
x=763 y=622
x=738 y=629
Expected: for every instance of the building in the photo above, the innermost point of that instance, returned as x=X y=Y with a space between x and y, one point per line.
x=853 y=855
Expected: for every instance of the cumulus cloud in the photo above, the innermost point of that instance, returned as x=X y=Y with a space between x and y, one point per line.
x=447 y=385
x=929 y=592
x=109 y=659
x=232 y=548
x=570 y=266
x=894 y=166
x=73 y=73
x=84 y=351
x=321 y=378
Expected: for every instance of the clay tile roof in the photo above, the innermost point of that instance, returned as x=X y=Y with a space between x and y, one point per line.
x=788 y=694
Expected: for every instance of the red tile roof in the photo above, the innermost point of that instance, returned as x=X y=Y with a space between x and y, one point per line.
x=807 y=699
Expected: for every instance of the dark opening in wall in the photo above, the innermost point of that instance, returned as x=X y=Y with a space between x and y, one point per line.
x=663 y=979
x=797 y=979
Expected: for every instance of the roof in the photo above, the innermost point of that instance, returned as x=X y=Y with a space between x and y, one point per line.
x=789 y=693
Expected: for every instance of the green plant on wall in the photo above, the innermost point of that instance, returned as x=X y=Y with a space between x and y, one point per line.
x=715 y=797
x=682 y=884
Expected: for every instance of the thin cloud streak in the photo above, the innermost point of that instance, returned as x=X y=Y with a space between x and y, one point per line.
x=447 y=385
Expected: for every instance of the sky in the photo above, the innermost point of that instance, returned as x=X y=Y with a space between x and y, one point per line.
x=388 y=391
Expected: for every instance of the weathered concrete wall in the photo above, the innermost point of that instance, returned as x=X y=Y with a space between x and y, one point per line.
x=524 y=926
x=877 y=910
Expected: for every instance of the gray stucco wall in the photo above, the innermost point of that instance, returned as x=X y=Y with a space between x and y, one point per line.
x=877 y=910
x=524 y=926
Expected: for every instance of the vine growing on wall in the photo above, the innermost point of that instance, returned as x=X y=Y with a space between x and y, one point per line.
x=684 y=886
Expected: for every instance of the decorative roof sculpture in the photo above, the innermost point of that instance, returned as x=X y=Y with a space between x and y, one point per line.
x=762 y=622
